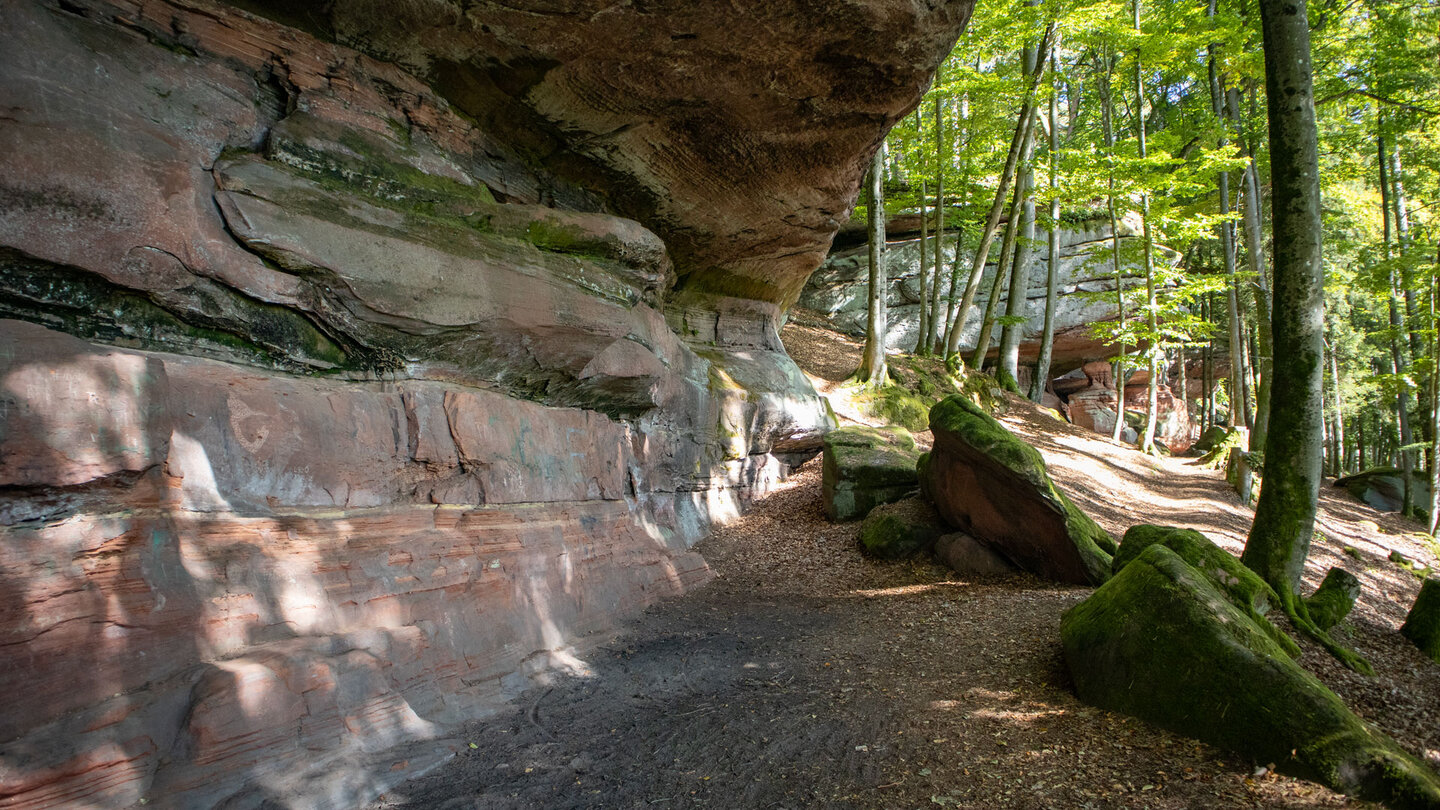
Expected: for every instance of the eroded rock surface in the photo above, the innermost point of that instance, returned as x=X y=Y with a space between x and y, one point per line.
x=989 y=484
x=357 y=362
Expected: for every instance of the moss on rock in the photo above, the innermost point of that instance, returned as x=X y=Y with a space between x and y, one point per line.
x=901 y=529
x=1334 y=599
x=1422 y=626
x=1159 y=641
x=864 y=467
x=1243 y=587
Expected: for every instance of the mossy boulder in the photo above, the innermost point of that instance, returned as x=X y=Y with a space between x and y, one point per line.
x=1384 y=488
x=902 y=529
x=1243 y=587
x=988 y=483
x=1334 y=599
x=864 y=467
x=1159 y=641
x=1422 y=626
x=1212 y=436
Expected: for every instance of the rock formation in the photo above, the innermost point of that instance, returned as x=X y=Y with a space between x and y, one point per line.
x=864 y=467
x=358 y=359
x=1164 y=641
x=839 y=290
x=1089 y=394
x=989 y=484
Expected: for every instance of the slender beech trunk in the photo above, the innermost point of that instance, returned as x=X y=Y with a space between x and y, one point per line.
x=1002 y=274
x=1259 y=284
x=1152 y=403
x=1207 y=373
x=1227 y=243
x=1408 y=285
x=935 y=324
x=872 y=363
x=924 y=325
x=987 y=236
x=1052 y=275
x=1284 y=524
x=1398 y=366
x=949 y=322
x=1007 y=367
x=1337 y=408
x=1107 y=122
x=1434 y=285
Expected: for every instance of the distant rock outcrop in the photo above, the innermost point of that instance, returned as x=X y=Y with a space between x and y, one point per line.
x=839 y=290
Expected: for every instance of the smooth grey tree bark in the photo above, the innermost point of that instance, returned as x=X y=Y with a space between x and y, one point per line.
x=1152 y=390
x=997 y=208
x=872 y=362
x=1284 y=524
x=1052 y=275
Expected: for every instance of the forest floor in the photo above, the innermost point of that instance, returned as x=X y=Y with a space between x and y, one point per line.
x=807 y=675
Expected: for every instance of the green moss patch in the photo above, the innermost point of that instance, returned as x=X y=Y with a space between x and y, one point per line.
x=1159 y=641
x=1422 y=626
x=902 y=529
x=864 y=467
x=1243 y=587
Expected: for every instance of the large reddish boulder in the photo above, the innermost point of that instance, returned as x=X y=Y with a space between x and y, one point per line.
x=991 y=485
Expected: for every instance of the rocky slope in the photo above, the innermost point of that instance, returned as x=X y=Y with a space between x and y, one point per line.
x=357 y=362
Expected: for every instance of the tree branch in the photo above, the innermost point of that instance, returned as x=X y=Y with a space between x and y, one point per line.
x=1355 y=91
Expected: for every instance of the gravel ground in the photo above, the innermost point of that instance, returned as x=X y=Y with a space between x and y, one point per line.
x=806 y=675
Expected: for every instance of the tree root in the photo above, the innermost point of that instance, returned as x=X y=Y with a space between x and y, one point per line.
x=1299 y=617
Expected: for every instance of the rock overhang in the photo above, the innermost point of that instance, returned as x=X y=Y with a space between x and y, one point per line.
x=738 y=133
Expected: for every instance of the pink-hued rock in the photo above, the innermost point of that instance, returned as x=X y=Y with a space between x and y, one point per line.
x=348 y=391
x=343 y=567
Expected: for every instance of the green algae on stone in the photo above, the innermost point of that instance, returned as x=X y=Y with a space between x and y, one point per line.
x=1422 y=625
x=1160 y=642
x=864 y=467
x=1243 y=587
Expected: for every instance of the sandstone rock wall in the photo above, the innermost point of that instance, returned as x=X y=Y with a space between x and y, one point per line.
x=344 y=388
x=840 y=289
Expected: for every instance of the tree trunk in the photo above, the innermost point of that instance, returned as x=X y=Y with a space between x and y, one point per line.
x=872 y=364
x=1152 y=391
x=1052 y=289
x=1434 y=395
x=954 y=300
x=1107 y=122
x=1337 y=409
x=1259 y=285
x=987 y=236
x=1397 y=353
x=924 y=325
x=933 y=330
x=1280 y=537
x=1207 y=374
x=1227 y=243
x=1002 y=274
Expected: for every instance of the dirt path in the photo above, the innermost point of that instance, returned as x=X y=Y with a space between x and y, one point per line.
x=807 y=676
